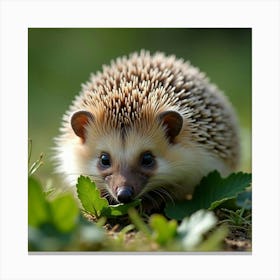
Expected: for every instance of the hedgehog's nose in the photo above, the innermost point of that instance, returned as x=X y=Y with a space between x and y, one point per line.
x=124 y=194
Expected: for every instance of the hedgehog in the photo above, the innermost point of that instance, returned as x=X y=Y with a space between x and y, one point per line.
x=148 y=126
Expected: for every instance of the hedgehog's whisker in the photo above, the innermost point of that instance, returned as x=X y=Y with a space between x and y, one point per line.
x=165 y=193
x=159 y=194
x=154 y=202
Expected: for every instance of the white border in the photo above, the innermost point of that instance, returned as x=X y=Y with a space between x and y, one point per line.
x=17 y=16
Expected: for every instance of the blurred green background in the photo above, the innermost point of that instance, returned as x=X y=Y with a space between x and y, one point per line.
x=60 y=59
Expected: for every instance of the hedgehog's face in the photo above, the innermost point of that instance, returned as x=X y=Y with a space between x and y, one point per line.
x=126 y=158
x=126 y=178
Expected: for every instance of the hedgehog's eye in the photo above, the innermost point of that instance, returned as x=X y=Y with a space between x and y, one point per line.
x=147 y=159
x=105 y=160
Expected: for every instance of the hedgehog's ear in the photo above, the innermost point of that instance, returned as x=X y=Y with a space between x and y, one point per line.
x=173 y=122
x=79 y=120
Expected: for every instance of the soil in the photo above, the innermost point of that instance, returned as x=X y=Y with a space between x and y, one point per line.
x=238 y=240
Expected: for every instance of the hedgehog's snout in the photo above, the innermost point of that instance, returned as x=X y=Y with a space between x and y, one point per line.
x=125 y=194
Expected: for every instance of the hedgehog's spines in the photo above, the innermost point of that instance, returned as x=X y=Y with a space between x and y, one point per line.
x=143 y=85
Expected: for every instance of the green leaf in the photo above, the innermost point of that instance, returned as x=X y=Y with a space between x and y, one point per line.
x=138 y=222
x=163 y=230
x=89 y=196
x=180 y=210
x=38 y=208
x=120 y=209
x=227 y=188
x=244 y=200
x=210 y=193
x=65 y=213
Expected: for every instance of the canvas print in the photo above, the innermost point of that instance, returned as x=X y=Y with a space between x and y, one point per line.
x=139 y=140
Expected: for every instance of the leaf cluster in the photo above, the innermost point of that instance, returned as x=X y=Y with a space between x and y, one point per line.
x=212 y=191
x=159 y=233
